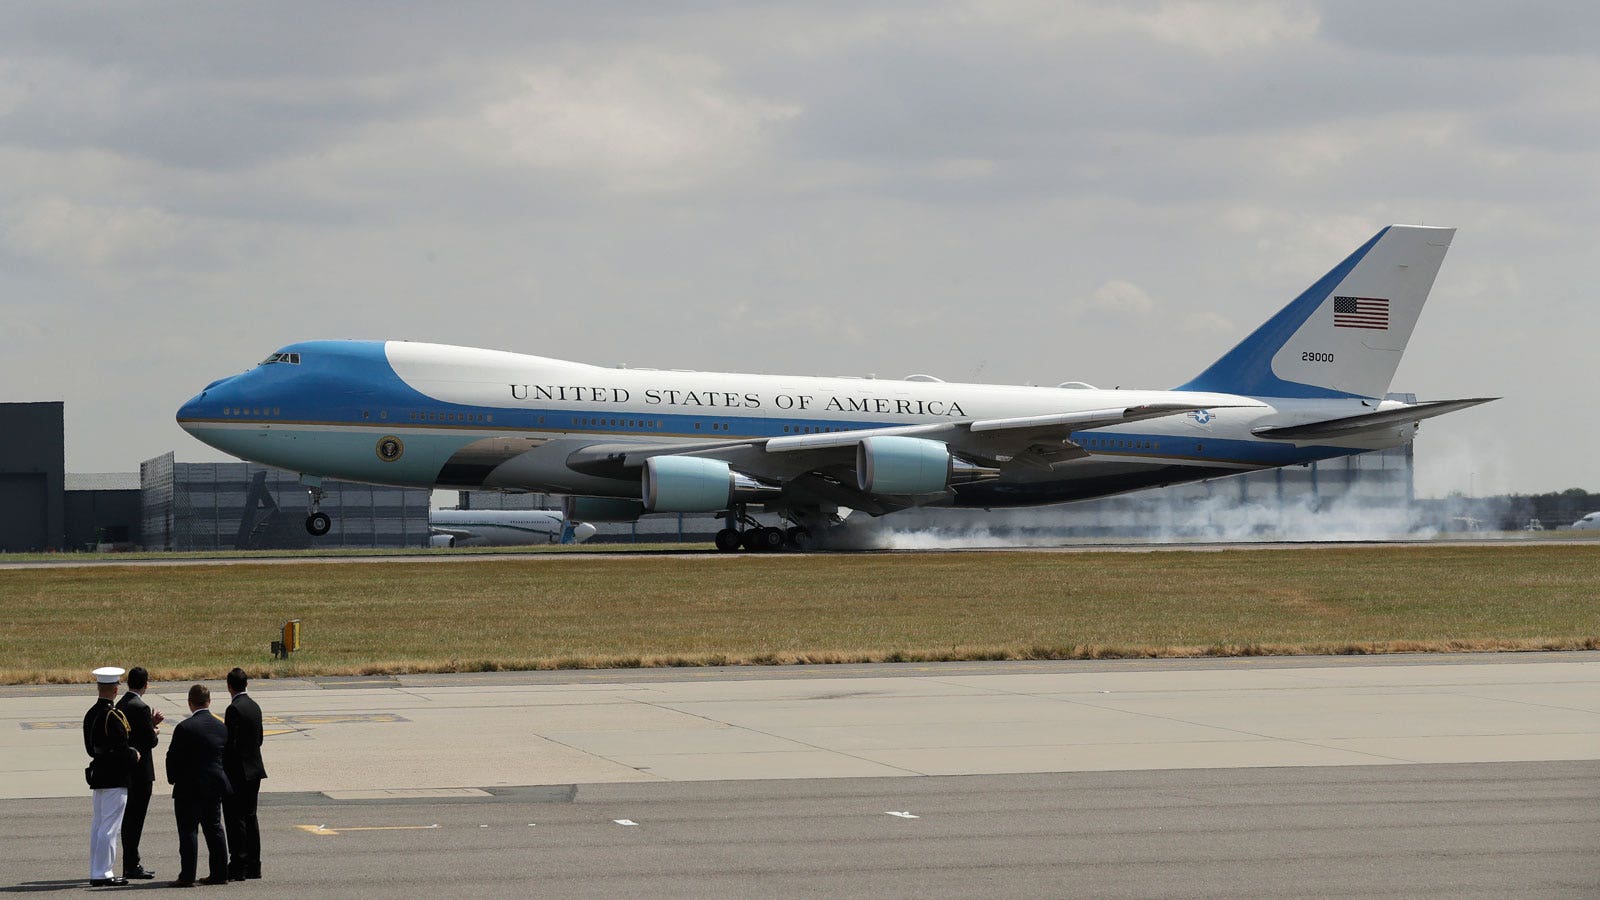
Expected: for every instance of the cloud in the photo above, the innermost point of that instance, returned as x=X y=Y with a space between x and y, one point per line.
x=70 y=234
x=637 y=121
x=1116 y=299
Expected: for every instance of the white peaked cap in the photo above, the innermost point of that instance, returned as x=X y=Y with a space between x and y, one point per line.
x=109 y=674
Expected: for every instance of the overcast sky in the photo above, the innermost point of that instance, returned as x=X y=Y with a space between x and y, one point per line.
x=1014 y=192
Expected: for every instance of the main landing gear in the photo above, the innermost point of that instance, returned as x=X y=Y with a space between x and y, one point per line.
x=758 y=538
x=318 y=523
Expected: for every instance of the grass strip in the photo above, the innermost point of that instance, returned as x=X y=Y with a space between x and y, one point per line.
x=198 y=621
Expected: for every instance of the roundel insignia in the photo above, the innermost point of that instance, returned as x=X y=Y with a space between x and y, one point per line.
x=390 y=448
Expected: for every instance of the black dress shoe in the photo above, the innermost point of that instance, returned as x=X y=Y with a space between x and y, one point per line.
x=215 y=879
x=107 y=882
x=181 y=882
x=140 y=873
x=253 y=873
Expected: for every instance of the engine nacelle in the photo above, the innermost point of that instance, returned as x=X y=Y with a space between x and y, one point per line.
x=441 y=540
x=891 y=464
x=686 y=484
x=601 y=509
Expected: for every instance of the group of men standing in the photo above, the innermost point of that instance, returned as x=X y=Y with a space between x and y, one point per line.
x=214 y=767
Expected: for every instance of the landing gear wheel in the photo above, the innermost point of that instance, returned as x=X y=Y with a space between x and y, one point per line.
x=318 y=524
x=727 y=540
x=797 y=538
x=769 y=539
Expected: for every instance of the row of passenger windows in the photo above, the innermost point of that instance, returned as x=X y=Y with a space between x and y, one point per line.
x=417 y=416
x=616 y=423
x=250 y=411
x=809 y=429
x=1120 y=444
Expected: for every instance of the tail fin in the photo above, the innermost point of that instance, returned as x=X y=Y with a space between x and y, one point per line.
x=1344 y=336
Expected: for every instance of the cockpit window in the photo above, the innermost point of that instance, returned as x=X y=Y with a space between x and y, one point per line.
x=292 y=359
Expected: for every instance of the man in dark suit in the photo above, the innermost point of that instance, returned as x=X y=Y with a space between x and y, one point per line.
x=144 y=732
x=199 y=785
x=245 y=771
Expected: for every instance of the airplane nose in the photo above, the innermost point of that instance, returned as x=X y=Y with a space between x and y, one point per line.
x=191 y=409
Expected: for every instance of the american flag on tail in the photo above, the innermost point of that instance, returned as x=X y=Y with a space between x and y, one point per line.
x=1361 y=312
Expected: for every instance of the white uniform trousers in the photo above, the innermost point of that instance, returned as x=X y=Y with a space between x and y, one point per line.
x=109 y=805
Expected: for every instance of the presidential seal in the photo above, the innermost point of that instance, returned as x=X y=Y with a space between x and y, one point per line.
x=390 y=448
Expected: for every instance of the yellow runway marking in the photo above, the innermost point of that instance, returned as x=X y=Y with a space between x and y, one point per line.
x=323 y=829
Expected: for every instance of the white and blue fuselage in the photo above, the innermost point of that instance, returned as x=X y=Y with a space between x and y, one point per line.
x=1306 y=386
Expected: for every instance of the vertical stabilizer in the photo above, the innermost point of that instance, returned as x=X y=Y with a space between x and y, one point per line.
x=1344 y=336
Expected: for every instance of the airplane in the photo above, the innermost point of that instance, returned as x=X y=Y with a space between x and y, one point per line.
x=504 y=528
x=617 y=443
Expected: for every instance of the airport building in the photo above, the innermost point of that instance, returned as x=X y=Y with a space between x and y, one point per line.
x=244 y=506
x=32 y=477
x=103 y=511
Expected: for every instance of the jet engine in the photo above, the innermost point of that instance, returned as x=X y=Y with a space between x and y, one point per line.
x=601 y=509
x=695 y=484
x=892 y=464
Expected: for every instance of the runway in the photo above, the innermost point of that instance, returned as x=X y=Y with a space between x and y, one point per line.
x=1445 y=774
x=1511 y=829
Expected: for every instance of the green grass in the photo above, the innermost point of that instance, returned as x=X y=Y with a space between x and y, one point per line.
x=404 y=616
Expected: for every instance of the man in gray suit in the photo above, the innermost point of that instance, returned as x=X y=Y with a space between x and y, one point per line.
x=199 y=785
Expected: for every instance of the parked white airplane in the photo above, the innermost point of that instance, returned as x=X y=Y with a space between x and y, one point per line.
x=1307 y=385
x=505 y=528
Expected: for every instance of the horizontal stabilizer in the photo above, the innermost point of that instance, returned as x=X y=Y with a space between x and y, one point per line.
x=1377 y=421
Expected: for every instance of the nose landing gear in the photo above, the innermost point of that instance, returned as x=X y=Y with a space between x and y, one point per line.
x=318 y=523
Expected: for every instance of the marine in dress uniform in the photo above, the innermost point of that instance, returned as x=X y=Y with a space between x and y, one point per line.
x=199 y=785
x=112 y=761
x=245 y=771
x=144 y=727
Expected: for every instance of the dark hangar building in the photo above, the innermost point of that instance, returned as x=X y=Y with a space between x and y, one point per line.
x=32 y=477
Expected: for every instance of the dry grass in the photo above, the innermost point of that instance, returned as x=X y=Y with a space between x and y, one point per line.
x=197 y=621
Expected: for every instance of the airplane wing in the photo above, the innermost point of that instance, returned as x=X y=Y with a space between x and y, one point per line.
x=456 y=533
x=1366 y=422
x=1028 y=440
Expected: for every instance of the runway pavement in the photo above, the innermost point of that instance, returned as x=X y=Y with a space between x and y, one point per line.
x=1412 y=775
x=1509 y=829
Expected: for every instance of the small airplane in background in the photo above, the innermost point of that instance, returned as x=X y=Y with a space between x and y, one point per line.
x=504 y=528
x=1307 y=385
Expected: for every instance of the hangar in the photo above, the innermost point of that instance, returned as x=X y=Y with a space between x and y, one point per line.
x=32 y=477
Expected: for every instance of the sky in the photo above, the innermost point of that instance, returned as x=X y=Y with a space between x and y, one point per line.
x=1008 y=192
